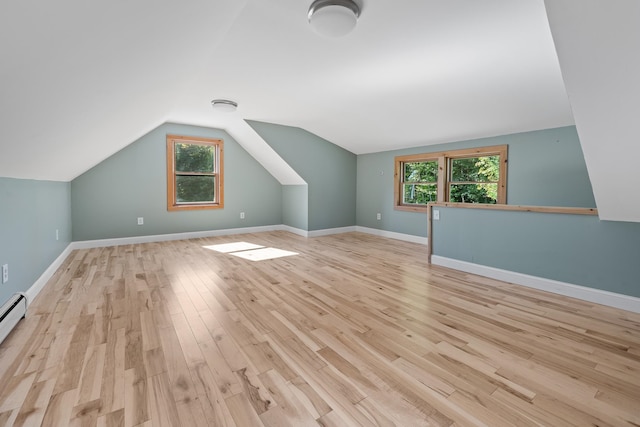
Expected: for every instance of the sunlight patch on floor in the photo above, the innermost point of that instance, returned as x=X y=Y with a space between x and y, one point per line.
x=233 y=247
x=250 y=251
x=262 y=254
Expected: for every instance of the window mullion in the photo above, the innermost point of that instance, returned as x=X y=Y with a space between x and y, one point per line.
x=446 y=161
x=442 y=179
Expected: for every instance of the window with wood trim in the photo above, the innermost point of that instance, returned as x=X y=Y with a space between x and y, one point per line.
x=420 y=182
x=195 y=178
x=474 y=175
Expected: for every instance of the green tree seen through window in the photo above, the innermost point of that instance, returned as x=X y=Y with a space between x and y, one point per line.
x=468 y=175
x=195 y=173
x=420 y=182
x=474 y=179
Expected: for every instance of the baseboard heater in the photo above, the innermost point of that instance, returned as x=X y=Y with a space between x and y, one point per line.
x=11 y=313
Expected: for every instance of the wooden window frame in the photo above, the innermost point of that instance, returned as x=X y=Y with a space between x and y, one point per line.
x=444 y=174
x=172 y=204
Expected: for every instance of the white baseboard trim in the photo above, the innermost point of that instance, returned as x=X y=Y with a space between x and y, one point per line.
x=100 y=243
x=624 y=302
x=294 y=230
x=393 y=235
x=88 y=244
x=330 y=231
x=316 y=233
x=35 y=289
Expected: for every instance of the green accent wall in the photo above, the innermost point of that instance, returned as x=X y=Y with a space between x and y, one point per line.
x=577 y=249
x=330 y=173
x=30 y=213
x=107 y=199
x=545 y=168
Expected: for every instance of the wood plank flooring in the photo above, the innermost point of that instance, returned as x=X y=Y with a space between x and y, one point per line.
x=355 y=330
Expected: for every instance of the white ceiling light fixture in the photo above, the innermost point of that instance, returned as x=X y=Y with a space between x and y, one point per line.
x=333 y=18
x=224 y=105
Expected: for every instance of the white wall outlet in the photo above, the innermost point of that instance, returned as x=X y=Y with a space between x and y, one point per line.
x=5 y=273
x=241 y=215
x=140 y=220
x=57 y=234
x=378 y=216
x=436 y=215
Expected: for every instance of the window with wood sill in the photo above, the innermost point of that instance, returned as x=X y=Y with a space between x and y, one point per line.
x=195 y=178
x=474 y=175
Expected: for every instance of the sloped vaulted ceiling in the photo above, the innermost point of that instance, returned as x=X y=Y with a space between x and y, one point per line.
x=80 y=80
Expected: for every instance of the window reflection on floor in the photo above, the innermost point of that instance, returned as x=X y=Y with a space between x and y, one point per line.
x=250 y=251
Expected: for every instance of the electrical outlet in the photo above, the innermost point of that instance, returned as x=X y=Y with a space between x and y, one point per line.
x=241 y=215
x=436 y=215
x=5 y=273
x=140 y=220
x=379 y=216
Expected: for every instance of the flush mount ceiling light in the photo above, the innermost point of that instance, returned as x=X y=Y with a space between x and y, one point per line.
x=333 y=18
x=224 y=105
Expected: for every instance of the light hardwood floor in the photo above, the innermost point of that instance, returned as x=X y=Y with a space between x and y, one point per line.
x=355 y=330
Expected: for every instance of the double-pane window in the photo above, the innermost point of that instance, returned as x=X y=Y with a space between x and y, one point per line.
x=476 y=175
x=474 y=179
x=420 y=184
x=194 y=173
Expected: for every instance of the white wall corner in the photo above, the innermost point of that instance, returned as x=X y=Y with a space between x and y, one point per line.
x=260 y=150
x=88 y=244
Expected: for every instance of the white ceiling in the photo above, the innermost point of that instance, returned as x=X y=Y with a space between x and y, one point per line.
x=81 y=79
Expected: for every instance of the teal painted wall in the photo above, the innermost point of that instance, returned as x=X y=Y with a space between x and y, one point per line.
x=569 y=248
x=546 y=168
x=375 y=195
x=107 y=199
x=295 y=206
x=343 y=190
x=30 y=213
x=330 y=173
